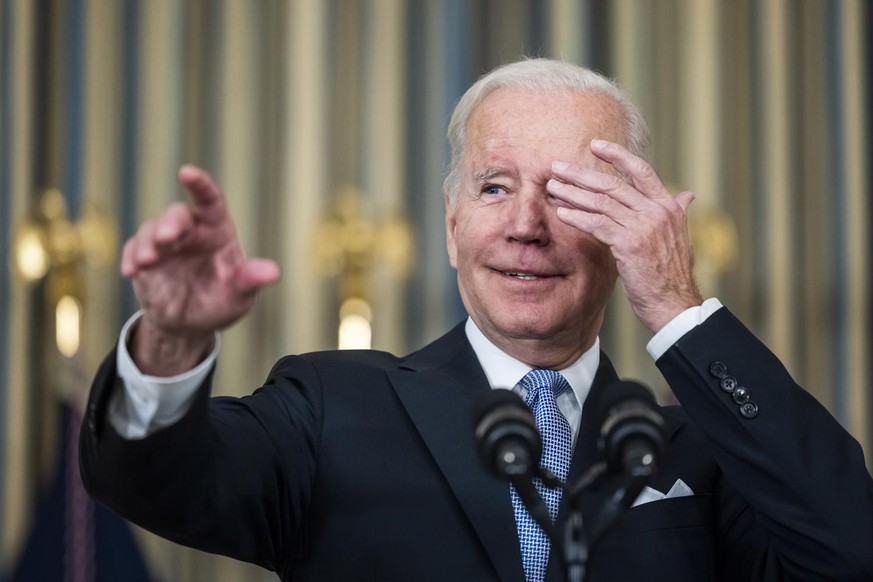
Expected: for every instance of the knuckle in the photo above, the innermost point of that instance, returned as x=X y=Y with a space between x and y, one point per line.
x=660 y=215
x=642 y=168
x=601 y=201
x=175 y=210
x=675 y=213
x=633 y=243
x=611 y=183
x=598 y=221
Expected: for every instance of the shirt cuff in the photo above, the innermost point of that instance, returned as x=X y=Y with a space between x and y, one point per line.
x=680 y=325
x=149 y=403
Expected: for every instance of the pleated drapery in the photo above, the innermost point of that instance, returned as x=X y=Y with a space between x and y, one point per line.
x=762 y=108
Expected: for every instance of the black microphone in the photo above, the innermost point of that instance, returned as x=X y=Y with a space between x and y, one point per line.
x=631 y=440
x=510 y=447
x=632 y=433
x=506 y=432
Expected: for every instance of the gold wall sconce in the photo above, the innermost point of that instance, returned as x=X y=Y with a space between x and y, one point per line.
x=350 y=246
x=50 y=247
x=715 y=241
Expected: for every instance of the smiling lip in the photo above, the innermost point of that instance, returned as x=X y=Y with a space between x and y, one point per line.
x=525 y=276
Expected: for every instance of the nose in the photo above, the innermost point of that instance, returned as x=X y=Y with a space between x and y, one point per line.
x=529 y=221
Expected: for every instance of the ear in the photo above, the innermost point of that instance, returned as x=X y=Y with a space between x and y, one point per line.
x=451 y=225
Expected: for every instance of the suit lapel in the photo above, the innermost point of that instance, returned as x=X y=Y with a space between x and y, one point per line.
x=585 y=453
x=439 y=387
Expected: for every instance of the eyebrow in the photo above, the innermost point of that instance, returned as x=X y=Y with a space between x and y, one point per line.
x=491 y=172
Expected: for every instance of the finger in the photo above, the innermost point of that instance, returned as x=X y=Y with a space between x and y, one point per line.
x=600 y=226
x=174 y=224
x=128 y=258
x=637 y=171
x=146 y=252
x=256 y=273
x=594 y=181
x=206 y=198
x=590 y=201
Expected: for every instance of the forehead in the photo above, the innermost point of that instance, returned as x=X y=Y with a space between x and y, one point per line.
x=554 y=120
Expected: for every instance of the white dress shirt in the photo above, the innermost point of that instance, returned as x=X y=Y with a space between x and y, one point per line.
x=504 y=371
x=149 y=403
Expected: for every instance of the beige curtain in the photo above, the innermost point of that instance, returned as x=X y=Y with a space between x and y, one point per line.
x=761 y=108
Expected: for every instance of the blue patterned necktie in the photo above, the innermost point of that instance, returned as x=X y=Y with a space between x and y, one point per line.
x=543 y=386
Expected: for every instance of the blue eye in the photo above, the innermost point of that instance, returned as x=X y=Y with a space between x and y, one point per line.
x=493 y=190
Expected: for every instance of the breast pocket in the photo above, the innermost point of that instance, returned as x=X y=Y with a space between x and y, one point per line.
x=665 y=540
x=675 y=513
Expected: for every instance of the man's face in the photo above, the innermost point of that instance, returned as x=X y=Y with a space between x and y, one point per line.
x=522 y=273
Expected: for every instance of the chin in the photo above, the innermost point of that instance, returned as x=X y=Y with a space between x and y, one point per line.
x=530 y=327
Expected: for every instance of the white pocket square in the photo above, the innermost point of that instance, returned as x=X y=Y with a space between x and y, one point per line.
x=647 y=495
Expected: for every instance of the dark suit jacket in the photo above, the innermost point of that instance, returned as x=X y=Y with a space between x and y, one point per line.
x=363 y=466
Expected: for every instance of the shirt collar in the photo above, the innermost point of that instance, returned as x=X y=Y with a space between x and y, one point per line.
x=504 y=371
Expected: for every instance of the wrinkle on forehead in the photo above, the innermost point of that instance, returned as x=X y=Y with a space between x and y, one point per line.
x=563 y=122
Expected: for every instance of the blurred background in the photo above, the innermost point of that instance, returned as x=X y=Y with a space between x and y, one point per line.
x=324 y=121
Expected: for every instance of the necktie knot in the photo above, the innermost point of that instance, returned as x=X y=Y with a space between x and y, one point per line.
x=537 y=382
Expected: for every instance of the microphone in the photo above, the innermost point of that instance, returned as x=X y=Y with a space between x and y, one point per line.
x=510 y=446
x=631 y=440
x=632 y=433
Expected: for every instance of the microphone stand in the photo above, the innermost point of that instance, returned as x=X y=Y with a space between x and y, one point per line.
x=578 y=540
x=576 y=546
x=534 y=504
x=571 y=540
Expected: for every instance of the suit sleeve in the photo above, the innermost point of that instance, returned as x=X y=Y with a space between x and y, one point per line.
x=220 y=479
x=805 y=498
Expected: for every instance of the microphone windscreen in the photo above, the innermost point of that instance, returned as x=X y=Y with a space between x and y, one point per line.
x=626 y=413
x=503 y=424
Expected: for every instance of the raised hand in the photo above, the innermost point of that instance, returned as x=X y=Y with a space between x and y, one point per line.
x=190 y=276
x=645 y=226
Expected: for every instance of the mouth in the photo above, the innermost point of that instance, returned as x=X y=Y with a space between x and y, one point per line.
x=523 y=276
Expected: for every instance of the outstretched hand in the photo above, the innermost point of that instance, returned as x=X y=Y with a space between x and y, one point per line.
x=190 y=276
x=645 y=227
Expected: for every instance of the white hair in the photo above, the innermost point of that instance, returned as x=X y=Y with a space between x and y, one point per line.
x=540 y=75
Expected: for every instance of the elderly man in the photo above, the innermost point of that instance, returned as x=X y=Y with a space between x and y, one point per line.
x=362 y=466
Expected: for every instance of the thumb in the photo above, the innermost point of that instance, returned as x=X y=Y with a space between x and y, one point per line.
x=684 y=199
x=256 y=273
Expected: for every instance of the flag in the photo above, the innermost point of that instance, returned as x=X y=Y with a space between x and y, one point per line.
x=73 y=539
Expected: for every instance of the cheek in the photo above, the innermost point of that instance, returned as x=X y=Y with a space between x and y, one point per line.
x=601 y=257
x=468 y=238
x=596 y=257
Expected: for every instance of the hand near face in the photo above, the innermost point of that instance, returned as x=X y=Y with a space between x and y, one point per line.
x=190 y=276
x=645 y=227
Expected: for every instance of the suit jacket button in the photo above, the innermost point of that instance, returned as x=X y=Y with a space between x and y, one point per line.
x=741 y=395
x=749 y=410
x=728 y=384
x=718 y=370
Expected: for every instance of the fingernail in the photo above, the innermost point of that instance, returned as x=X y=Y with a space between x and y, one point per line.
x=554 y=185
x=560 y=166
x=598 y=143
